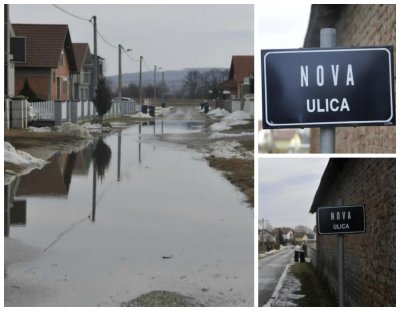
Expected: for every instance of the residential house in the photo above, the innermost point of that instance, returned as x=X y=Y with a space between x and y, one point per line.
x=265 y=236
x=300 y=237
x=50 y=62
x=241 y=73
x=287 y=234
x=370 y=257
x=83 y=78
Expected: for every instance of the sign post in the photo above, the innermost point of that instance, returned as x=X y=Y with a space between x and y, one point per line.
x=327 y=137
x=328 y=87
x=341 y=220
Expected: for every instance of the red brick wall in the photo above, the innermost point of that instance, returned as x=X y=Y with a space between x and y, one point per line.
x=62 y=72
x=364 y=25
x=370 y=258
x=38 y=81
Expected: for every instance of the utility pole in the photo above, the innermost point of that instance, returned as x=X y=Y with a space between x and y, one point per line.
x=95 y=65
x=120 y=48
x=327 y=135
x=119 y=71
x=162 y=87
x=155 y=68
x=140 y=81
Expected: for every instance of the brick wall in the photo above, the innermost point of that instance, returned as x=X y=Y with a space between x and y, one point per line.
x=370 y=258
x=62 y=71
x=364 y=25
x=38 y=81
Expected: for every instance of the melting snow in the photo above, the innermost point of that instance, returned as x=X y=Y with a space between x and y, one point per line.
x=235 y=118
x=218 y=112
x=21 y=158
x=229 y=150
x=227 y=135
x=141 y=115
x=67 y=128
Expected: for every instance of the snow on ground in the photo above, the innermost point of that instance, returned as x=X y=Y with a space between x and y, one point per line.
x=218 y=113
x=141 y=115
x=21 y=158
x=118 y=124
x=286 y=291
x=228 y=135
x=75 y=129
x=67 y=128
x=229 y=150
x=235 y=118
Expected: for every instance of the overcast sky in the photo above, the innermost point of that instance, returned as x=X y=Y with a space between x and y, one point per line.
x=169 y=36
x=287 y=188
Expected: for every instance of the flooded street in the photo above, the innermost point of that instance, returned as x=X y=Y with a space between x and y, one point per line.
x=128 y=215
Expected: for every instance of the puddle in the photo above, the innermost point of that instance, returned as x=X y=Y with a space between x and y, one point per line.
x=128 y=215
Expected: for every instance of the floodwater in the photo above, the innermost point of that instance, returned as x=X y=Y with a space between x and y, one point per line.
x=127 y=215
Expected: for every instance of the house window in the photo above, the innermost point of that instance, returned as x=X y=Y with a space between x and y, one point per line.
x=86 y=77
x=65 y=86
x=61 y=61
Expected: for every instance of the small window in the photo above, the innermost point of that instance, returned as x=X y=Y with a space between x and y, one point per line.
x=61 y=62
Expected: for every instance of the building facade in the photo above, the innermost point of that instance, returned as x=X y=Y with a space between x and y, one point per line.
x=49 y=65
x=370 y=257
x=356 y=25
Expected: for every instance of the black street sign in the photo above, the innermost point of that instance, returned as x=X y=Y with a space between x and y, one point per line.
x=328 y=87
x=341 y=219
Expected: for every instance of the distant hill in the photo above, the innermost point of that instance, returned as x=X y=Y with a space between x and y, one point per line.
x=172 y=78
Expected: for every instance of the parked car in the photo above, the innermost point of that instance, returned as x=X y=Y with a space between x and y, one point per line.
x=123 y=99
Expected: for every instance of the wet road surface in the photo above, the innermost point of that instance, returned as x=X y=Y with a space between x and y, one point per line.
x=151 y=216
x=270 y=269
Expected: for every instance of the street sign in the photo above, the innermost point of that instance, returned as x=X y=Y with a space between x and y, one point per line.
x=341 y=219
x=328 y=87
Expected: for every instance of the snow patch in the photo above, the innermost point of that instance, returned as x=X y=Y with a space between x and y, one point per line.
x=286 y=291
x=141 y=115
x=21 y=158
x=227 y=135
x=75 y=129
x=67 y=128
x=235 y=118
x=229 y=150
x=218 y=113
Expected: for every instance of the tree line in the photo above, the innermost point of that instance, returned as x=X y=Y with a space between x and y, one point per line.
x=195 y=84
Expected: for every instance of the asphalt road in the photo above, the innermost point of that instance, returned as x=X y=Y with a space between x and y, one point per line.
x=270 y=269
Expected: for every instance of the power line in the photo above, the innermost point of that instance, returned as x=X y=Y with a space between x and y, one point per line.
x=145 y=64
x=132 y=59
x=104 y=39
x=69 y=13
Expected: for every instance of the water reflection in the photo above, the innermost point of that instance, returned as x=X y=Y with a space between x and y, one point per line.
x=101 y=157
x=157 y=204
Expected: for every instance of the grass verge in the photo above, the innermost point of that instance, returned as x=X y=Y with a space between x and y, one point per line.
x=22 y=139
x=239 y=172
x=316 y=292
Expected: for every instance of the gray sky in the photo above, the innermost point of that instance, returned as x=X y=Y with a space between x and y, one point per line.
x=169 y=36
x=281 y=24
x=286 y=189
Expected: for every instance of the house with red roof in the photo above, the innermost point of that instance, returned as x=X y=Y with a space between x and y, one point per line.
x=83 y=78
x=49 y=65
x=240 y=73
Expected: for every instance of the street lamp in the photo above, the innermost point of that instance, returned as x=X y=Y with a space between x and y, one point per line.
x=120 y=48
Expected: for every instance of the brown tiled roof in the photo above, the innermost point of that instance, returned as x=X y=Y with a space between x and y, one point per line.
x=44 y=44
x=80 y=50
x=241 y=66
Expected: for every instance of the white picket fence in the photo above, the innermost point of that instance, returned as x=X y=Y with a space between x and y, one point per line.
x=74 y=111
